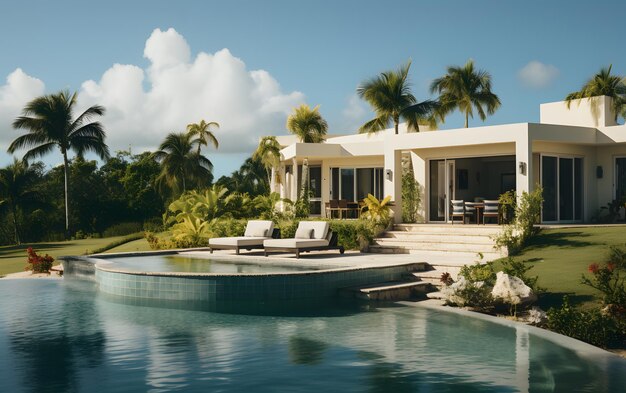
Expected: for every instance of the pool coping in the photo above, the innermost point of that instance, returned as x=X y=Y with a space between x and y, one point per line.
x=100 y=263
x=580 y=347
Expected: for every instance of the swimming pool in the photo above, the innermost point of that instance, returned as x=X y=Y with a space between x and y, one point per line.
x=63 y=336
x=239 y=284
x=185 y=264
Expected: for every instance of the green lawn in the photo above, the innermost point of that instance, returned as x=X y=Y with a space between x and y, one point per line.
x=13 y=258
x=560 y=256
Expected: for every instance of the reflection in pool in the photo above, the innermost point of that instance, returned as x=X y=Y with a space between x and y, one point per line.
x=58 y=336
x=177 y=263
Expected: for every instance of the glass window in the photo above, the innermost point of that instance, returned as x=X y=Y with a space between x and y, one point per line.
x=548 y=182
x=364 y=182
x=315 y=181
x=578 y=189
x=437 y=195
x=380 y=185
x=347 y=184
x=620 y=177
x=334 y=183
x=566 y=188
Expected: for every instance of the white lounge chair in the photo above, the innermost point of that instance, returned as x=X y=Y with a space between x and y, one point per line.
x=310 y=236
x=256 y=232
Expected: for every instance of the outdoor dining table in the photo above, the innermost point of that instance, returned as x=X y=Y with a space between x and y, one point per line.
x=478 y=206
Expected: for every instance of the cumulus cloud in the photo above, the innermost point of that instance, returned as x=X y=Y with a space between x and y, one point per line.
x=537 y=75
x=354 y=114
x=14 y=94
x=143 y=105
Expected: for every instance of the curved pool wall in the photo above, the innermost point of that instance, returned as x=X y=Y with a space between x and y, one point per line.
x=243 y=292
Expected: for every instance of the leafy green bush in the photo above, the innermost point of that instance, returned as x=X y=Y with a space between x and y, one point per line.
x=228 y=227
x=39 y=263
x=123 y=229
x=518 y=269
x=591 y=326
x=124 y=240
x=411 y=195
x=479 y=272
x=609 y=280
x=527 y=214
x=154 y=224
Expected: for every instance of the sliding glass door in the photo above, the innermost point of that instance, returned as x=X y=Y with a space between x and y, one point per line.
x=563 y=188
x=620 y=177
x=353 y=184
x=442 y=189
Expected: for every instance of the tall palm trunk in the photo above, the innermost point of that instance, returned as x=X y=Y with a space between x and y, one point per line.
x=67 y=199
x=396 y=123
x=466 y=119
x=15 y=226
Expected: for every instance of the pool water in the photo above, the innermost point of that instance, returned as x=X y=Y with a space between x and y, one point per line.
x=177 y=263
x=58 y=336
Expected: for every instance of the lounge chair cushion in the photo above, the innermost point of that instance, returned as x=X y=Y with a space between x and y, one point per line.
x=239 y=241
x=320 y=228
x=304 y=233
x=259 y=228
x=295 y=243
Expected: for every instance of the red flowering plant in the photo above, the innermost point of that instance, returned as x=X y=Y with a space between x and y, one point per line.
x=38 y=263
x=609 y=279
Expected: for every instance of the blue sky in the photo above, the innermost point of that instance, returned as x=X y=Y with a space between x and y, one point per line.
x=314 y=52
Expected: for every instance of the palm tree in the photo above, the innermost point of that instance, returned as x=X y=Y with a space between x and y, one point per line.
x=203 y=132
x=604 y=84
x=48 y=120
x=465 y=88
x=16 y=190
x=390 y=96
x=307 y=124
x=180 y=163
x=268 y=152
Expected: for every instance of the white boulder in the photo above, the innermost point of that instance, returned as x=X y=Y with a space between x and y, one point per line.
x=450 y=292
x=512 y=290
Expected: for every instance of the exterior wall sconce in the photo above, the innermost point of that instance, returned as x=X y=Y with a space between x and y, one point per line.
x=388 y=174
x=522 y=168
x=599 y=172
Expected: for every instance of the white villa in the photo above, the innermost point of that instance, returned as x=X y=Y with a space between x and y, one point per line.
x=578 y=155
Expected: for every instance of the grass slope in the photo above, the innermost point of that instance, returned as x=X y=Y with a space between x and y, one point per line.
x=560 y=256
x=13 y=258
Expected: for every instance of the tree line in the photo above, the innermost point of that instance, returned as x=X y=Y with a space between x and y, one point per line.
x=80 y=196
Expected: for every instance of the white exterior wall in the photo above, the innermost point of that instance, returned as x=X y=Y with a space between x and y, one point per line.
x=581 y=131
x=594 y=112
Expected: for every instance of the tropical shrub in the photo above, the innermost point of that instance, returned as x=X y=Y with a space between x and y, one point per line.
x=122 y=229
x=411 y=196
x=527 y=214
x=591 y=326
x=507 y=201
x=378 y=211
x=609 y=280
x=267 y=206
x=124 y=240
x=517 y=268
x=38 y=263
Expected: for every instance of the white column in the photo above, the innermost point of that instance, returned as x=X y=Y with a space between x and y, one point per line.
x=523 y=157
x=419 y=172
x=393 y=180
x=294 y=183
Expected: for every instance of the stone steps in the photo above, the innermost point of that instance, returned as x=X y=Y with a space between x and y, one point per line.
x=467 y=256
x=437 y=238
x=448 y=229
x=388 y=291
x=411 y=244
x=440 y=240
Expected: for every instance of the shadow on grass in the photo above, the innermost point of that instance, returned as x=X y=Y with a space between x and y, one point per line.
x=10 y=250
x=555 y=299
x=559 y=239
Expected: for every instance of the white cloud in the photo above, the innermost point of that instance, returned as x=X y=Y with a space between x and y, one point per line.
x=537 y=75
x=18 y=90
x=144 y=105
x=354 y=114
